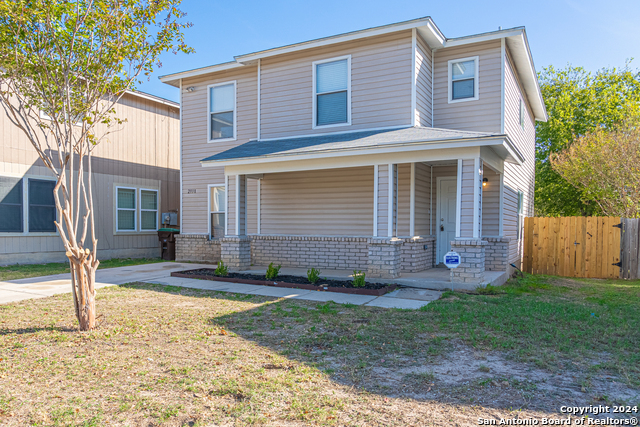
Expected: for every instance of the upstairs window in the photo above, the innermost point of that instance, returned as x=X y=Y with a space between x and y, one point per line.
x=42 y=206
x=463 y=79
x=521 y=113
x=222 y=111
x=332 y=92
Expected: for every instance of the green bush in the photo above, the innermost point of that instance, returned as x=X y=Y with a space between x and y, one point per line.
x=222 y=270
x=358 y=279
x=272 y=272
x=313 y=275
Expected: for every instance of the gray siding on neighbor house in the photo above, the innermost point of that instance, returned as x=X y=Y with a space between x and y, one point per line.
x=143 y=153
x=380 y=86
x=482 y=115
x=517 y=178
x=424 y=87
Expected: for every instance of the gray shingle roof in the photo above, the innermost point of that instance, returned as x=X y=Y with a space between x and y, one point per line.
x=343 y=141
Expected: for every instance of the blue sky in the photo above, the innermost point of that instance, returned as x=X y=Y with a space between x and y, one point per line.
x=589 y=33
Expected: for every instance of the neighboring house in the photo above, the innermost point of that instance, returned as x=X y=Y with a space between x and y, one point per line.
x=378 y=150
x=136 y=177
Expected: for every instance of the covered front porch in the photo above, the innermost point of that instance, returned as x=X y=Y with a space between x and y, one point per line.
x=390 y=209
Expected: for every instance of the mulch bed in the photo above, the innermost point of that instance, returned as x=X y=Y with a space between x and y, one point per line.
x=283 y=281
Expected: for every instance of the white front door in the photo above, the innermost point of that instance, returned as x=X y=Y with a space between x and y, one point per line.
x=446 y=215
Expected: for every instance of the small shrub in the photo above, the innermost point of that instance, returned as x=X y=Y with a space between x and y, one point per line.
x=272 y=272
x=358 y=279
x=222 y=270
x=313 y=275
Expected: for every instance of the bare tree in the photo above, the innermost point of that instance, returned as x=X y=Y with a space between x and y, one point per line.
x=64 y=64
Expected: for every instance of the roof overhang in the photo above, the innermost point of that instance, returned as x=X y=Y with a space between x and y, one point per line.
x=407 y=152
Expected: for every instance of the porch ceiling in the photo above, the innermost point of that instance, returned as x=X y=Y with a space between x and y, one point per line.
x=363 y=142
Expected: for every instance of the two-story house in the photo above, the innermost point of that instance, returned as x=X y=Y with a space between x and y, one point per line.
x=135 y=178
x=378 y=150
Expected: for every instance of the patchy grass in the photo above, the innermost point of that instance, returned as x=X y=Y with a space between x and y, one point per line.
x=551 y=321
x=23 y=271
x=172 y=356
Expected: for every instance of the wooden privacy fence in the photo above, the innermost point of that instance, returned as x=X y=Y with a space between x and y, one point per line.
x=573 y=246
x=630 y=248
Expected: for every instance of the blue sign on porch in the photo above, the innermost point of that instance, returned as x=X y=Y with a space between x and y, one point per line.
x=452 y=259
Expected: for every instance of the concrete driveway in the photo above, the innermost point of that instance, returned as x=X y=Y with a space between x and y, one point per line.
x=40 y=287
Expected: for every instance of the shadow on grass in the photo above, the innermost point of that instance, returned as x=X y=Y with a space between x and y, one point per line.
x=22 y=331
x=392 y=352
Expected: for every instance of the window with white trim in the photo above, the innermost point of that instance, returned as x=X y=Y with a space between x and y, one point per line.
x=332 y=92
x=42 y=206
x=520 y=214
x=148 y=210
x=125 y=209
x=222 y=111
x=463 y=79
x=11 y=209
x=521 y=113
x=218 y=210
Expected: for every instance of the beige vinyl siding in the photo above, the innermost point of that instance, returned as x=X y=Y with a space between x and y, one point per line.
x=252 y=205
x=466 y=204
x=195 y=146
x=338 y=202
x=142 y=153
x=482 y=115
x=491 y=204
x=380 y=86
x=423 y=198
x=383 y=199
x=404 y=200
x=423 y=83
x=517 y=178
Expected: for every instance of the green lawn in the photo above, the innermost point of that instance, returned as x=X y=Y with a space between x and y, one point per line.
x=22 y=271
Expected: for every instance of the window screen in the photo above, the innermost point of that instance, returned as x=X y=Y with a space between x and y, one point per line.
x=222 y=111
x=463 y=79
x=126 y=209
x=42 y=206
x=332 y=91
x=11 y=205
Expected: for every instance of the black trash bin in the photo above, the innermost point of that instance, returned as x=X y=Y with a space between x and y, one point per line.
x=167 y=238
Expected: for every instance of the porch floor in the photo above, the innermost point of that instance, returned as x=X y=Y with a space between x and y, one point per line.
x=434 y=278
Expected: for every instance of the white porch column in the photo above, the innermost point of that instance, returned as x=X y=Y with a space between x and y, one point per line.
x=385 y=200
x=241 y=205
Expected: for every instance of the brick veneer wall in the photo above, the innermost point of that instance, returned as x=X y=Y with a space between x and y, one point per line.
x=385 y=258
x=496 y=253
x=310 y=251
x=414 y=256
x=197 y=247
x=236 y=252
x=472 y=265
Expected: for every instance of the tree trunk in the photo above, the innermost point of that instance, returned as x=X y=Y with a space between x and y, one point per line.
x=84 y=292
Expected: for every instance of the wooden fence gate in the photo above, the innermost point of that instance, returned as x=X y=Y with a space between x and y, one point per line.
x=573 y=246
x=630 y=248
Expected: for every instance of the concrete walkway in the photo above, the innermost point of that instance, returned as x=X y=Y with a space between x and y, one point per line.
x=40 y=287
